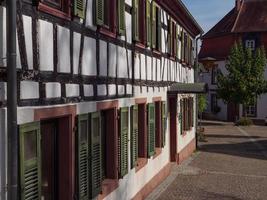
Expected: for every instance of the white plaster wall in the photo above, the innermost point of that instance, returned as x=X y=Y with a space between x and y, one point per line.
x=29 y=90
x=63 y=49
x=122 y=63
x=112 y=60
x=121 y=89
x=112 y=89
x=88 y=90
x=72 y=90
x=46 y=45
x=101 y=90
x=149 y=67
x=90 y=15
x=103 y=58
x=89 y=57
x=143 y=66
x=3 y=154
x=128 y=19
x=136 y=67
x=27 y=23
x=76 y=51
x=2 y=36
x=53 y=90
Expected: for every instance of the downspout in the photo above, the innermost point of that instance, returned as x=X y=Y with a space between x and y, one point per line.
x=196 y=73
x=12 y=138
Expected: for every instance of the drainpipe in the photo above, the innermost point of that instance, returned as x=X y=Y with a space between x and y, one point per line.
x=196 y=73
x=12 y=137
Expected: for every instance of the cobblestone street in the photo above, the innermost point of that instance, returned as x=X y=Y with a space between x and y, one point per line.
x=231 y=164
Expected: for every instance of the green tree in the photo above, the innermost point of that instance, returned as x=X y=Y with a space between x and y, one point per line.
x=244 y=80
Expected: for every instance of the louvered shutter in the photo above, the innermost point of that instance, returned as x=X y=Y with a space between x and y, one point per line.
x=154 y=25
x=151 y=129
x=83 y=156
x=123 y=141
x=136 y=20
x=121 y=17
x=187 y=114
x=170 y=37
x=79 y=8
x=159 y=26
x=99 y=11
x=95 y=155
x=181 y=116
x=30 y=161
x=164 y=122
x=134 y=135
x=182 y=48
x=192 y=112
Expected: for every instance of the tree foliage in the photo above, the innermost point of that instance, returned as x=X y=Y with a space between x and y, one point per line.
x=244 y=80
x=202 y=102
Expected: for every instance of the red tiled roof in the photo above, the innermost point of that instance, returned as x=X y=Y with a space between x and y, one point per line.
x=224 y=26
x=252 y=17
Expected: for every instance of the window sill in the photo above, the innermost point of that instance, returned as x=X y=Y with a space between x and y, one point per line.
x=52 y=11
x=107 y=32
x=108 y=186
x=156 y=53
x=140 y=45
x=157 y=152
x=141 y=162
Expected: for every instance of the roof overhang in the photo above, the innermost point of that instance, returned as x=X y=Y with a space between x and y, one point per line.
x=188 y=88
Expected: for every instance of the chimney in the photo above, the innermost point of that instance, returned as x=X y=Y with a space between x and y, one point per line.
x=238 y=4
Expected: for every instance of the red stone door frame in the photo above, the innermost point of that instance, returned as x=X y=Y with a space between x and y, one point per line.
x=66 y=123
x=173 y=127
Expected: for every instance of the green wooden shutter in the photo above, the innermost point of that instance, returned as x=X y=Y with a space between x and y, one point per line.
x=181 y=116
x=186 y=114
x=159 y=27
x=154 y=25
x=95 y=155
x=164 y=122
x=83 y=156
x=121 y=13
x=79 y=8
x=177 y=41
x=123 y=141
x=99 y=12
x=134 y=135
x=192 y=112
x=30 y=160
x=136 y=20
x=151 y=129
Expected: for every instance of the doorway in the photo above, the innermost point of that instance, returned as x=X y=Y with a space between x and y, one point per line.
x=55 y=147
x=173 y=128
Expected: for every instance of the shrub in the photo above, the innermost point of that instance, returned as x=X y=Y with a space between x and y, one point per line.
x=244 y=121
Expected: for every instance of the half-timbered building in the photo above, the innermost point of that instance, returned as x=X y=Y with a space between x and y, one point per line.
x=96 y=115
x=246 y=22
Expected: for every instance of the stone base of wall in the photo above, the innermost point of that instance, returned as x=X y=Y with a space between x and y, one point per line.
x=153 y=183
x=186 y=152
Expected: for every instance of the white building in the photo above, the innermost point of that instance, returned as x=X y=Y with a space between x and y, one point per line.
x=94 y=112
x=245 y=22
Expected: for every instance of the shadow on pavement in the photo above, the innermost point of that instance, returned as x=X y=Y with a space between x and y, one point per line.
x=233 y=136
x=243 y=149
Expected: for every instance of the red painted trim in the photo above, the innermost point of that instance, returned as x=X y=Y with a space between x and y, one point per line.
x=107 y=32
x=154 y=182
x=158 y=152
x=141 y=100
x=105 y=105
x=68 y=112
x=141 y=163
x=155 y=99
x=140 y=45
x=108 y=186
x=53 y=11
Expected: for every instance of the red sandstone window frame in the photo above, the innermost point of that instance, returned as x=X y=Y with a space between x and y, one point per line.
x=58 y=8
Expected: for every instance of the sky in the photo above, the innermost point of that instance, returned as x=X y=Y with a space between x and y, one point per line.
x=209 y=12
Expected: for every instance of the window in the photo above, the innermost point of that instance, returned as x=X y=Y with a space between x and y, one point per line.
x=214 y=73
x=142 y=131
x=186 y=116
x=156 y=27
x=250 y=111
x=134 y=135
x=139 y=13
x=151 y=129
x=59 y=8
x=213 y=104
x=106 y=17
x=172 y=38
x=250 y=44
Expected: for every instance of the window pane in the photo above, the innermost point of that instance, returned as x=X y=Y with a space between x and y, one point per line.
x=83 y=125
x=30 y=147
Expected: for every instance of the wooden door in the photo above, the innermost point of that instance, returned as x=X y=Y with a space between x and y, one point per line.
x=173 y=128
